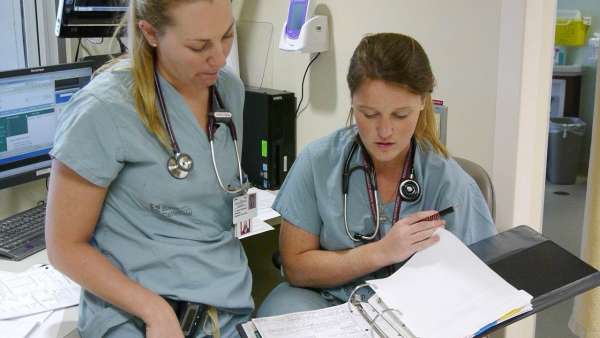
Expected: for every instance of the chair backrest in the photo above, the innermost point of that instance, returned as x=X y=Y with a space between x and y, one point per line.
x=482 y=179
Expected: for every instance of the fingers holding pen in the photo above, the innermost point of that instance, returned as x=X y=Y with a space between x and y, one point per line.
x=425 y=234
x=425 y=228
x=409 y=235
x=426 y=225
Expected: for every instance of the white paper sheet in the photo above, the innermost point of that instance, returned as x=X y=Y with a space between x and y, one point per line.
x=23 y=326
x=265 y=199
x=446 y=291
x=332 y=322
x=36 y=290
x=50 y=327
x=257 y=227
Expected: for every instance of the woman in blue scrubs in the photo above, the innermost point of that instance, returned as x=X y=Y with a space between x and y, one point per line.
x=390 y=82
x=142 y=243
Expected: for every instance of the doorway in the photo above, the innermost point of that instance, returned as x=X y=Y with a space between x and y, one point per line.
x=565 y=192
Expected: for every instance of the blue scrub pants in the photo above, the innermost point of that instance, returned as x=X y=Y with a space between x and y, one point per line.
x=287 y=299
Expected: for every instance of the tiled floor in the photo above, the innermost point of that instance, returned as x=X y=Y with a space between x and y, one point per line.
x=563 y=223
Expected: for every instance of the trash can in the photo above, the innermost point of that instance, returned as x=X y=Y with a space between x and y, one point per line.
x=565 y=142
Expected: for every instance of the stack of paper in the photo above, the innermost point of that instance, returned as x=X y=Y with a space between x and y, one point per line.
x=28 y=301
x=446 y=291
x=39 y=289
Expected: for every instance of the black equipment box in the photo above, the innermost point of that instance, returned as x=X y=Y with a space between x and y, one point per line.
x=269 y=147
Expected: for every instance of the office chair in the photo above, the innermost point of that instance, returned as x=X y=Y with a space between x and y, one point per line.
x=483 y=180
x=481 y=177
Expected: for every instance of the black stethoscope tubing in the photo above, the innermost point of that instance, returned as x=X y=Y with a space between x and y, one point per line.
x=165 y=116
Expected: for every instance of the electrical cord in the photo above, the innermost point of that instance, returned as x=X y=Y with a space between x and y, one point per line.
x=262 y=78
x=302 y=86
x=122 y=46
x=77 y=50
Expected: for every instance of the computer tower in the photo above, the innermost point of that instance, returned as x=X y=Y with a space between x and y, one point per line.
x=269 y=147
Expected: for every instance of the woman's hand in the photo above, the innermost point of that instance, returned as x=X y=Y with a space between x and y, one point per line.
x=408 y=236
x=161 y=321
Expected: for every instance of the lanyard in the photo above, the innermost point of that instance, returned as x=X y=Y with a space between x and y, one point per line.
x=398 y=200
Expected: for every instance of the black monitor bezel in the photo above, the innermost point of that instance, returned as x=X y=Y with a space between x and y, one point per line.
x=41 y=172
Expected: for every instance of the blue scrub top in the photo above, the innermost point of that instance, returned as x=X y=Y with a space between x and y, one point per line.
x=311 y=198
x=175 y=237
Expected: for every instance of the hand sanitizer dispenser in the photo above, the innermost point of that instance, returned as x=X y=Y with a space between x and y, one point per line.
x=302 y=33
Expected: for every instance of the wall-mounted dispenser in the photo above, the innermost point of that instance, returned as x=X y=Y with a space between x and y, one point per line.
x=303 y=33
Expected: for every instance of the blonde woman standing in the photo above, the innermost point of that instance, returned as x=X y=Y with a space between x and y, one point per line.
x=148 y=238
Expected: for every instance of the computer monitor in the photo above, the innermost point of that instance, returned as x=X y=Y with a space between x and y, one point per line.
x=89 y=18
x=30 y=101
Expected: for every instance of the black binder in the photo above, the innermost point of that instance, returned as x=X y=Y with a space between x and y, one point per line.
x=535 y=264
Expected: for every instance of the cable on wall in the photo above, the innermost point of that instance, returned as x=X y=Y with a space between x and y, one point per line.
x=302 y=86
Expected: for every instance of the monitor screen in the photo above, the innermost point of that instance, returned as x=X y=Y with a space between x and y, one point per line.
x=30 y=101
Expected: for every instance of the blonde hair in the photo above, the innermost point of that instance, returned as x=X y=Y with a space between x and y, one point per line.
x=143 y=59
x=400 y=60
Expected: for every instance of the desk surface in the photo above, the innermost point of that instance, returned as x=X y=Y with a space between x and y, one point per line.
x=68 y=324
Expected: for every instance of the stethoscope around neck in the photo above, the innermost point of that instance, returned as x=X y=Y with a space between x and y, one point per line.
x=180 y=164
x=409 y=189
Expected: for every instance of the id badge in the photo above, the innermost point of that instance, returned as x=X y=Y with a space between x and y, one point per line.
x=244 y=209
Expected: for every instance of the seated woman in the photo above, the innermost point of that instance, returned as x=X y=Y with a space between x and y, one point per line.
x=342 y=226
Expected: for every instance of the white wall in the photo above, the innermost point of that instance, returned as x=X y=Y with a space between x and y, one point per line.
x=521 y=129
x=22 y=197
x=460 y=36
x=12 y=55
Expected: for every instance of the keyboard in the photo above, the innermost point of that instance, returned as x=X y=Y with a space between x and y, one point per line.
x=22 y=234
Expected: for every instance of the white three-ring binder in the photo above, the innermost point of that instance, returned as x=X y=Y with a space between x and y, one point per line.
x=444 y=291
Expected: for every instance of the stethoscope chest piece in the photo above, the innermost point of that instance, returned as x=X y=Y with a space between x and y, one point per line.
x=409 y=190
x=180 y=165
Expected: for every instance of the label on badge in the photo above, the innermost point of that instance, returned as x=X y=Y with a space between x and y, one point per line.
x=244 y=209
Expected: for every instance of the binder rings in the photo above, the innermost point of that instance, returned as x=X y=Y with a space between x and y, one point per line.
x=521 y=256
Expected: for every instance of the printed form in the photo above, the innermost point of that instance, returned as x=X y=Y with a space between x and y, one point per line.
x=36 y=290
x=333 y=322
